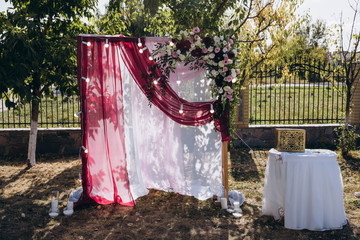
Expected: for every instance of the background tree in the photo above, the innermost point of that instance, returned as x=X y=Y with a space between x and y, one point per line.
x=309 y=40
x=162 y=17
x=38 y=53
x=347 y=55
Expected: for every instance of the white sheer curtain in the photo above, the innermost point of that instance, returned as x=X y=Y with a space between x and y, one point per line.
x=164 y=155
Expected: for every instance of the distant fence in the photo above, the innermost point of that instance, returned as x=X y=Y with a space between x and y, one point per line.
x=59 y=112
x=303 y=92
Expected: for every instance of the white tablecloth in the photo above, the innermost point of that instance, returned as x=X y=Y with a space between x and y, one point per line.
x=306 y=188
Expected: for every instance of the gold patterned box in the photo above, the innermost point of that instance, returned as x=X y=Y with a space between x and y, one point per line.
x=290 y=139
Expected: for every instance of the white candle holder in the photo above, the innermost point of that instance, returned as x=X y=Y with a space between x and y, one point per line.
x=237 y=206
x=54 y=210
x=69 y=210
x=224 y=204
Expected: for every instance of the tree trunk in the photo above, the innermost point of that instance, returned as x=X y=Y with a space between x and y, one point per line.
x=33 y=133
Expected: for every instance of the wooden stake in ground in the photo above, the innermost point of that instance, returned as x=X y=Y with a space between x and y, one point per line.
x=225 y=169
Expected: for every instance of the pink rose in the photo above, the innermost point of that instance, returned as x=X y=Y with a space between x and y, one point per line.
x=230 y=91
x=196 y=30
x=191 y=40
x=231 y=41
x=174 y=54
x=228 y=47
x=225 y=69
x=226 y=58
x=204 y=50
x=217 y=49
x=228 y=78
x=230 y=97
x=237 y=71
x=196 y=37
x=226 y=62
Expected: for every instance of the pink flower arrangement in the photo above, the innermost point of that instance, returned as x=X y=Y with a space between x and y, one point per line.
x=215 y=53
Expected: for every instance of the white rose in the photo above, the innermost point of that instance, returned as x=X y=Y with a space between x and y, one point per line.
x=186 y=33
x=230 y=61
x=214 y=73
x=224 y=49
x=221 y=64
x=214 y=63
x=178 y=52
x=233 y=74
x=182 y=57
x=216 y=39
x=221 y=90
x=210 y=49
x=206 y=57
x=224 y=42
x=211 y=55
x=226 y=88
x=233 y=70
x=198 y=43
x=221 y=38
x=191 y=33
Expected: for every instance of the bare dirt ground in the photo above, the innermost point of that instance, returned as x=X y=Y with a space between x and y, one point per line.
x=25 y=202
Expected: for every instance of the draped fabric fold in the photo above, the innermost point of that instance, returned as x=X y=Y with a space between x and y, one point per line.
x=194 y=114
x=117 y=170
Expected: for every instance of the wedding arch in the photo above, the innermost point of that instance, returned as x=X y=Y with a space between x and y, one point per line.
x=129 y=147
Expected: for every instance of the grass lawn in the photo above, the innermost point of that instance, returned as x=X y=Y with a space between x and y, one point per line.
x=297 y=105
x=25 y=201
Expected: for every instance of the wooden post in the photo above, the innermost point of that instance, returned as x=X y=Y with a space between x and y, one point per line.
x=355 y=103
x=225 y=169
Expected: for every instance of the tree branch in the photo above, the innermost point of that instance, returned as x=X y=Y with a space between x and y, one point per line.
x=248 y=17
x=221 y=6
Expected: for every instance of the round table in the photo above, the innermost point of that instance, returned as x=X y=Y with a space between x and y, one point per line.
x=306 y=188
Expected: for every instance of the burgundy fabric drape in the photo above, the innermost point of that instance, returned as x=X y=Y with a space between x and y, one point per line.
x=104 y=172
x=105 y=178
